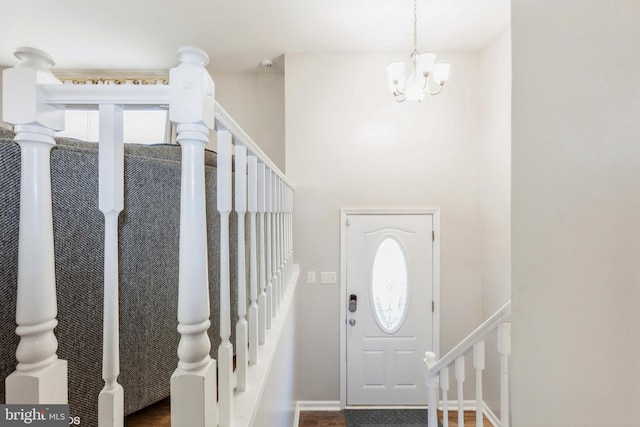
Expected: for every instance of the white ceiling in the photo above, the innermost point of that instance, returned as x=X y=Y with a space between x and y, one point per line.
x=237 y=35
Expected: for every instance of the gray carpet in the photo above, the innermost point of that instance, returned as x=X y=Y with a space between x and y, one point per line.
x=386 y=417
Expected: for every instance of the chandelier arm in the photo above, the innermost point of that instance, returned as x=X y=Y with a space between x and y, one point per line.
x=425 y=87
x=436 y=92
x=397 y=90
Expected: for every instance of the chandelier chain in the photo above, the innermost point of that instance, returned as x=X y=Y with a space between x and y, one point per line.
x=415 y=26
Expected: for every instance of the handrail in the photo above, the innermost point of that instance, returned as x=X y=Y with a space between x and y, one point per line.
x=500 y=316
x=152 y=96
x=227 y=122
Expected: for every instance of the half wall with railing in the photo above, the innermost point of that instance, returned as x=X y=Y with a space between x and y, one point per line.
x=437 y=372
x=251 y=225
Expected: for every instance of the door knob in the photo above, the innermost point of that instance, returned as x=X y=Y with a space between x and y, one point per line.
x=353 y=303
x=352 y=322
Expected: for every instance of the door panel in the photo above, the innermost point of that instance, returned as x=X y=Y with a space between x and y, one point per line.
x=391 y=328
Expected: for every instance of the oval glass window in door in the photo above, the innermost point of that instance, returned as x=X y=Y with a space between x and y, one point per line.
x=389 y=287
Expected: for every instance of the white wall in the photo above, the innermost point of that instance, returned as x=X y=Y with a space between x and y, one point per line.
x=495 y=194
x=575 y=210
x=349 y=144
x=2 y=123
x=495 y=172
x=256 y=102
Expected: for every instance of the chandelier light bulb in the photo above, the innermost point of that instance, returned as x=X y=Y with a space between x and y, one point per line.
x=441 y=73
x=425 y=62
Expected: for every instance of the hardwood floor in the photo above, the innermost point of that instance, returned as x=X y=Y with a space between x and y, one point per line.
x=322 y=418
x=337 y=418
x=159 y=415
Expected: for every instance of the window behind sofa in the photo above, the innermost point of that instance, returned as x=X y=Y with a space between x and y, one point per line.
x=140 y=127
x=149 y=126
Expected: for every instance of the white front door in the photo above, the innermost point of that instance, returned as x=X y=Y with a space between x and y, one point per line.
x=389 y=284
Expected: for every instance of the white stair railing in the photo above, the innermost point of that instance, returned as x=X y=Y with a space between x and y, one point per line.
x=34 y=103
x=40 y=376
x=437 y=371
x=256 y=178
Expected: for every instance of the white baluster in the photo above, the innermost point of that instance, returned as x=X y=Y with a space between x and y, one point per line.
x=242 y=337
x=459 y=374
x=285 y=218
x=291 y=193
x=225 y=350
x=193 y=384
x=279 y=273
x=283 y=233
x=444 y=386
x=431 y=380
x=504 y=348
x=268 y=248
x=290 y=230
x=262 y=298
x=274 y=251
x=40 y=377
x=478 y=364
x=252 y=163
x=111 y=183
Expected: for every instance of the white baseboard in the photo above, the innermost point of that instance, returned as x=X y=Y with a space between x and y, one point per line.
x=314 y=405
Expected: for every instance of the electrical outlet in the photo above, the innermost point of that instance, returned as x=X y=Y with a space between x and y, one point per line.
x=311 y=277
x=328 y=277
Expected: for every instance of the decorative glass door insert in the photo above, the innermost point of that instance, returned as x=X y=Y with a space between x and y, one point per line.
x=389 y=287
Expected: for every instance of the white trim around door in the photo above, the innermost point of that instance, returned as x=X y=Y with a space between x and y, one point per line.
x=344 y=214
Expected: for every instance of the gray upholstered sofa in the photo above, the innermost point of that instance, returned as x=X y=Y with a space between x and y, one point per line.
x=149 y=236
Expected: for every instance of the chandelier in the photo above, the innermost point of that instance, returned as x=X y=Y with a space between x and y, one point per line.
x=427 y=76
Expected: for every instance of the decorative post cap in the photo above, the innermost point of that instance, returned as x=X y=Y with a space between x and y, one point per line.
x=192 y=91
x=429 y=362
x=22 y=103
x=193 y=55
x=34 y=58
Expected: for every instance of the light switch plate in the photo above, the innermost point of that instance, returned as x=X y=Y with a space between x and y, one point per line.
x=328 y=277
x=311 y=277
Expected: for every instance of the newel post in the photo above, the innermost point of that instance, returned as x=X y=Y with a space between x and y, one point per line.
x=40 y=377
x=431 y=380
x=191 y=108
